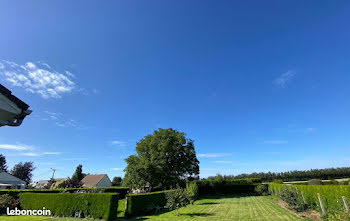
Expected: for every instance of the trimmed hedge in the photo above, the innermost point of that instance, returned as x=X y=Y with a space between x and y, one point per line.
x=212 y=187
x=121 y=190
x=138 y=202
x=15 y=192
x=331 y=195
x=96 y=205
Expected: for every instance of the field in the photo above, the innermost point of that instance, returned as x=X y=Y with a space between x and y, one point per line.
x=211 y=208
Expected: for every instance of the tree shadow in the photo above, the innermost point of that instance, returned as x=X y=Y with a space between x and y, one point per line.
x=209 y=203
x=196 y=214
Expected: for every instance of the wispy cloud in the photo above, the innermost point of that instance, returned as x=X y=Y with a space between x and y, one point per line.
x=117 y=169
x=51 y=153
x=17 y=147
x=223 y=161
x=119 y=143
x=37 y=78
x=31 y=154
x=62 y=121
x=275 y=142
x=214 y=155
x=284 y=78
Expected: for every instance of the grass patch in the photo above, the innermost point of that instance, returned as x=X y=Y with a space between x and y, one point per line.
x=229 y=208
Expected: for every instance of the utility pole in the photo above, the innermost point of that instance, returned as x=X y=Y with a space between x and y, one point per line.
x=53 y=174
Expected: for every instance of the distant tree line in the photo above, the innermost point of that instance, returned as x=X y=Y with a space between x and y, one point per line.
x=295 y=175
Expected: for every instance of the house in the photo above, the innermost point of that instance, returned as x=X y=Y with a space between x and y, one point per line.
x=7 y=181
x=12 y=109
x=42 y=184
x=97 y=180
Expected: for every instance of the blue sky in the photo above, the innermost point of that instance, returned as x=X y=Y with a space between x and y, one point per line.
x=258 y=85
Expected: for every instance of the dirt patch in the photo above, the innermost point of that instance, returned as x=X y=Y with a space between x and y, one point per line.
x=311 y=214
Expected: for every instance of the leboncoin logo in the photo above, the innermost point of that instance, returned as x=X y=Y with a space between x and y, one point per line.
x=28 y=212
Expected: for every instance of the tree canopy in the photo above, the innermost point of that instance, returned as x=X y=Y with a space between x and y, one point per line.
x=162 y=159
x=23 y=171
x=78 y=174
x=3 y=165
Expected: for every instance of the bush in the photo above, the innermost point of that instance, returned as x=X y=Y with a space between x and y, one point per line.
x=137 y=203
x=209 y=187
x=101 y=205
x=191 y=192
x=7 y=201
x=315 y=182
x=176 y=199
x=262 y=190
x=277 y=181
x=290 y=196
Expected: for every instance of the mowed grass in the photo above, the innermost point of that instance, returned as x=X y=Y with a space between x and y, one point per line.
x=229 y=208
x=210 y=208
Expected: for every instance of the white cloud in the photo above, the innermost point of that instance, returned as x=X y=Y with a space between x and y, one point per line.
x=51 y=153
x=30 y=154
x=214 y=155
x=119 y=143
x=62 y=121
x=17 y=147
x=37 y=78
x=117 y=169
x=284 y=78
x=275 y=141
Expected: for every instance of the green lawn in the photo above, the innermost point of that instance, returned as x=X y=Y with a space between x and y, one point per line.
x=229 y=208
x=209 y=208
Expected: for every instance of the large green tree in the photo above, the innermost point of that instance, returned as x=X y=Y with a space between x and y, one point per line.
x=78 y=174
x=163 y=159
x=23 y=171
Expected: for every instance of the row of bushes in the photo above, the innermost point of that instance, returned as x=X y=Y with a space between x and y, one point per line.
x=331 y=195
x=208 y=188
x=234 y=181
x=122 y=191
x=103 y=205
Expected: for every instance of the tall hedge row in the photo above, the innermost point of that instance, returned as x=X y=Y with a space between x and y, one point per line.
x=121 y=190
x=211 y=188
x=136 y=203
x=102 y=205
x=331 y=195
x=15 y=192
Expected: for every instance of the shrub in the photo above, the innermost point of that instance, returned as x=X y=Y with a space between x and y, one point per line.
x=176 y=199
x=262 y=190
x=315 y=182
x=7 y=201
x=290 y=196
x=101 y=205
x=59 y=185
x=277 y=181
x=136 y=203
x=191 y=192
